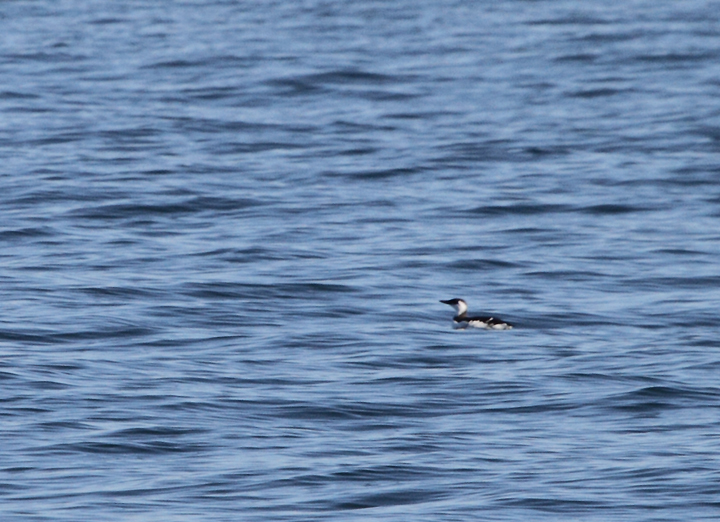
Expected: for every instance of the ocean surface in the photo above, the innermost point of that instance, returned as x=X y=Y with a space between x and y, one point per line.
x=225 y=228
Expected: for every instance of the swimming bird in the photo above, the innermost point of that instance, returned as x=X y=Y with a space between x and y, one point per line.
x=462 y=320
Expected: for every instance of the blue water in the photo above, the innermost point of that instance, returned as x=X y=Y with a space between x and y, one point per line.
x=226 y=226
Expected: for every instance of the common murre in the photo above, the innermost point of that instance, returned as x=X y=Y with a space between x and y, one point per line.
x=462 y=320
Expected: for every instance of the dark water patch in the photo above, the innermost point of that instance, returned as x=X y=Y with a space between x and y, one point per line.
x=677 y=282
x=612 y=36
x=255 y=147
x=680 y=252
x=312 y=82
x=35 y=336
x=204 y=125
x=358 y=151
x=354 y=76
x=352 y=343
x=352 y=312
x=380 y=471
x=197 y=204
x=45 y=57
x=576 y=18
x=182 y=342
x=483 y=151
x=614 y=209
x=354 y=410
x=130 y=133
x=250 y=255
x=558 y=505
x=711 y=132
x=384 y=173
x=423 y=115
x=124 y=211
x=41 y=195
x=597 y=93
x=53 y=426
x=689 y=320
x=652 y=399
x=155 y=431
x=192 y=405
x=363 y=474
x=17 y=469
x=132 y=292
x=352 y=128
x=157 y=172
x=214 y=93
x=221 y=204
x=378 y=95
x=47 y=385
x=66 y=367
x=520 y=209
x=481 y=264
x=409 y=361
x=578 y=57
x=530 y=231
x=600 y=377
x=59 y=138
x=109 y=21
x=676 y=59
x=77 y=335
x=393 y=497
x=295 y=86
x=174 y=64
x=316 y=413
x=9 y=488
x=692 y=176
x=567 y=319
x=28 y=109
x=707 y=341
x=155 y=447
x=26 y=233
x=353 y=83
x=8 y=376
x=15 y=95
x=547 y=150
x=232 y=290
